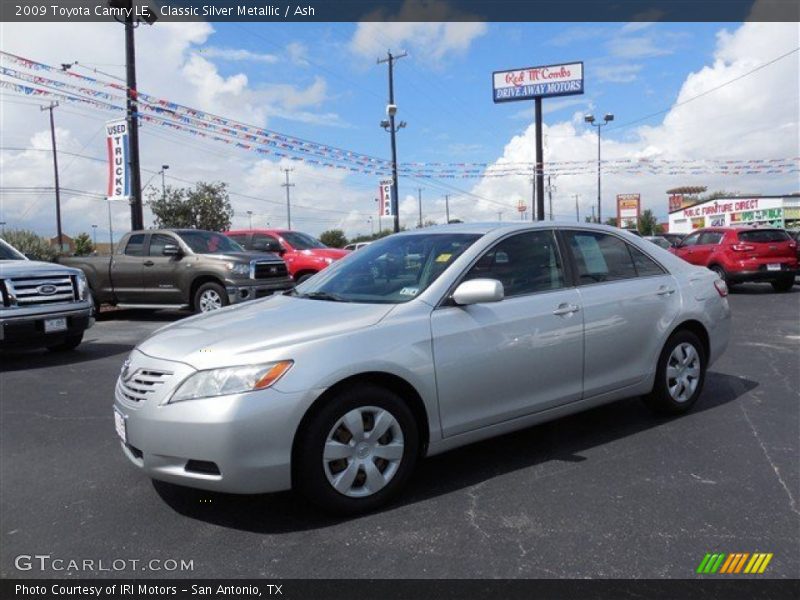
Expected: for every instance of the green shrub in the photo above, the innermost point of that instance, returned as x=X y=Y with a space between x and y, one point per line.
x=33 y=246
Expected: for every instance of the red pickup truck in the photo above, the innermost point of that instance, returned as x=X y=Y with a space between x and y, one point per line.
x=304 y=254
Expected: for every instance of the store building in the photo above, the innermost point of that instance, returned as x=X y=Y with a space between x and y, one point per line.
x=771 y=211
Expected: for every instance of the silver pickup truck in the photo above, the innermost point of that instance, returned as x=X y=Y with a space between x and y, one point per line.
x=181 y=268
x=43 y=304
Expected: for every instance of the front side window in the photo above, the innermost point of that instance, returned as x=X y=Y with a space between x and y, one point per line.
x=391 y=271
x=239 y=238
x=690 y=240
x=262 y=242
x=157 y=243
x=209 y=242
x=524 y=263
x=302 y=241
x=135 y=245
x=710 y=237
x=600 y=257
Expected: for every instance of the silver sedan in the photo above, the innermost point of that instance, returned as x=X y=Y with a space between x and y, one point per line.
x=417 y=344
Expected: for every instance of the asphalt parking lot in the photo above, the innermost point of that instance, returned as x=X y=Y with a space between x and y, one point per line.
x=614 y=492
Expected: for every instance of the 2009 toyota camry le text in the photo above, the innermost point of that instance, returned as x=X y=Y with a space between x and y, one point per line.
x=416 y=344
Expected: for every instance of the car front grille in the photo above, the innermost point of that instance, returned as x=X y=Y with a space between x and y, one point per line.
x=32 y=291
x=142 y=385
x=269 y=270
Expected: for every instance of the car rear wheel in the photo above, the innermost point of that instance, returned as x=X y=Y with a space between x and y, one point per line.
x=680 y=375
x=304 y=277
x=357 y=452
x=783 y=285
x=209 y=296
x=70 y=343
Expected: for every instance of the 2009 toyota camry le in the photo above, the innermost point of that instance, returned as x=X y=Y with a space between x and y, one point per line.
x=419 y=343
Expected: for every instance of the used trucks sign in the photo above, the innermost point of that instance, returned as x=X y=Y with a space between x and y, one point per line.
x=538 y=82
x=119 y=181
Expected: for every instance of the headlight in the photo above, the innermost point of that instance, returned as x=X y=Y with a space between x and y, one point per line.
x=230 y=380
x=327 y=260
x=239 y=268
x=83 y=286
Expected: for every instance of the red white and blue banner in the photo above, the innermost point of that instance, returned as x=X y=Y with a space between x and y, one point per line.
x=538 y=82
x=119 y=180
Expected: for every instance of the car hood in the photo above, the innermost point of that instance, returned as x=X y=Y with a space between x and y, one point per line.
x=239 y=334
x=245 y=256
x=22 y=268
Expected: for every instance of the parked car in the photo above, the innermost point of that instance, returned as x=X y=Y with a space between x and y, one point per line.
x=304 y=254
x=43 y=304
x=674 y=238
x=739 y=254
x=181 y=268
x=659 y=240
x=356 y=246
x=338 y=388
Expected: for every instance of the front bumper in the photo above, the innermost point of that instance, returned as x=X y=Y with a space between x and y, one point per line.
x=238 y=444
x=241 y=292
x=22 y=331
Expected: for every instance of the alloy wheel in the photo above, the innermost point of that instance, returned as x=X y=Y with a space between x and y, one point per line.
x=210 y=300
x=363 y=451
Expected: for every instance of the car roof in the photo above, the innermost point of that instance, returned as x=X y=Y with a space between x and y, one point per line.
x=497 y=226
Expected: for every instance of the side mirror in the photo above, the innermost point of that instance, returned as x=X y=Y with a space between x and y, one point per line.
x=171 y=250
x=478 y=291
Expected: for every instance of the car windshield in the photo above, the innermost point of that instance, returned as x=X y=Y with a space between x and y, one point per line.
x=301 y=241
x=209 y=242
x=8 y=252
x=763 y=236
x=391 y=271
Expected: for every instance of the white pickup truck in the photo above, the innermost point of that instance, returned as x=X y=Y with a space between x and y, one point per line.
x=43 y=304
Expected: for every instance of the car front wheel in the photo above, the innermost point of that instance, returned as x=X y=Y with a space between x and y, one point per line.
x=210 y=296
x=357 y=451
x=680 y=375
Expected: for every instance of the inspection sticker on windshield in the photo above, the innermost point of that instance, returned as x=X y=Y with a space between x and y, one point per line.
x=444 y=257
x=409 y=291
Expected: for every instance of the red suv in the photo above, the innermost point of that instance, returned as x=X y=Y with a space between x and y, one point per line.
x=741 y=254
x=304 y=254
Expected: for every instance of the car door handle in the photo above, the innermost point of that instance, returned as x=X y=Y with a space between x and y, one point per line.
x=566 y=309
x=665 y=290
x=148 y=263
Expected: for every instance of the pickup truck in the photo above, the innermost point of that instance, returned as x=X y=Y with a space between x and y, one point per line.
x=181 y=268
x=43 y=304
x=304 y=254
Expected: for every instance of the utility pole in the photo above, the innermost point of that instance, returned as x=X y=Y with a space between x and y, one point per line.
x=288 y=185
x=593 y=214
x=539 y=212
x=577 y=208
x=137 y=211
x=447 y=208
x=250 y=215
x=110 y=229
x=550 y=189
x=55 y=169
x=94 y=236
x=164 y=182
x=419 y=195
x=389 y=125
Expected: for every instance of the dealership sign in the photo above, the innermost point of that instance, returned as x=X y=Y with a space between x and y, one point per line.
x=119 y=179
x=385 y=198
x=628 y=210
x=538 y=82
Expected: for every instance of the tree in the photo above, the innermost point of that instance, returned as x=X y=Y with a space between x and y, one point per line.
x=83 y=245
x=31 y=245
x=455 y=221
x=206 y=206
x=611 y=221
x=333 y=238
x=648 y=224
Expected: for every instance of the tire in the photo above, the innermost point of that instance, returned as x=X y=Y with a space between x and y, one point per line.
x=721 y=272
x=70 y=343
x=209 y=297
x=314 y=476
x=670 y=401
x=783 y=285
x=304 y=277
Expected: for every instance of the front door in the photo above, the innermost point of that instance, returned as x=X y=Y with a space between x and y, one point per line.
x=507 y=359
x=161 y=273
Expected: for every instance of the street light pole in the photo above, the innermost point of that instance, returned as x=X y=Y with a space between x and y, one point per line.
x=447 y=209
x=577 y=208
x=391 y=111
x=55 y=169
x=250 y=214
x=288 y=185
x=94 y=236
x=591 y=120
x=163 y=182
x=419 y=193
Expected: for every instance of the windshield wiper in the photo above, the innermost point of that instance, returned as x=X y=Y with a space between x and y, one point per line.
x=322 y=296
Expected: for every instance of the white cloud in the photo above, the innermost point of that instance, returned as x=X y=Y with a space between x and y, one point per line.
x=444 y=33
x=619 y=73
x=754 y=117
x=237 y=54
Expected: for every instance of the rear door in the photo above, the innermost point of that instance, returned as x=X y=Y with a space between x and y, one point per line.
x=629 y=303
x=502 y=360
x=161 y=274
x=127 y=270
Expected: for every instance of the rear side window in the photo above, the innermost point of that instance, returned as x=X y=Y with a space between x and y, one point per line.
x=600 y=257
x=645 y=266
x=763 y=236
x=135 y=245
x=239 y=238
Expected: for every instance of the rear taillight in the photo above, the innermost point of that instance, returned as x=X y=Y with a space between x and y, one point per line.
x=792 y=245
x=743 y=247
x=722 y=287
